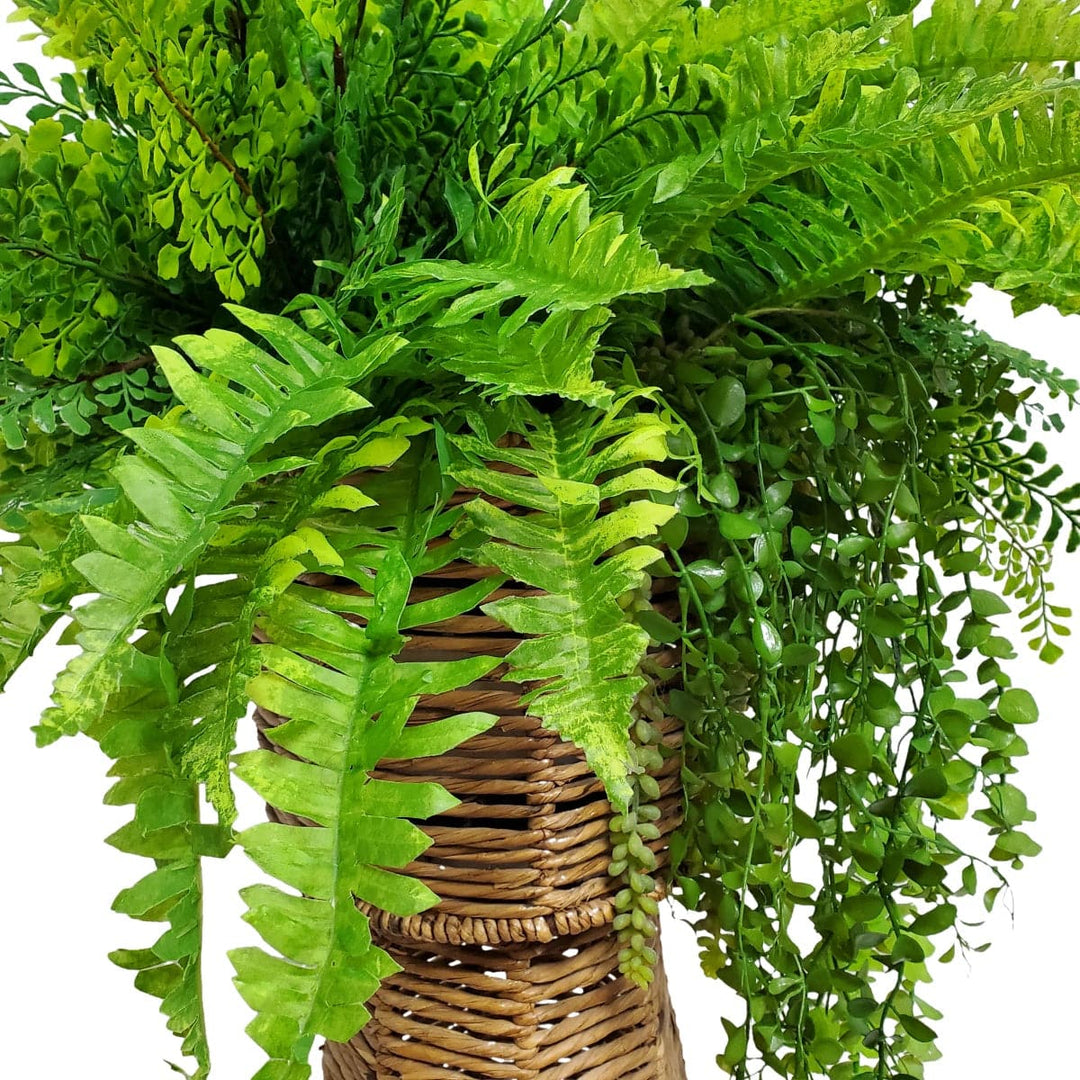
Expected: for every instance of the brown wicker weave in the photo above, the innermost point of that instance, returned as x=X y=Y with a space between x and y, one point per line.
x=524 y=857
x=556 y=1011
x=515 y=973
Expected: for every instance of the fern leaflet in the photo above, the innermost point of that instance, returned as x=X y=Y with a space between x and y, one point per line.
x=185 y=478
x=583 y=648
x=348 y=701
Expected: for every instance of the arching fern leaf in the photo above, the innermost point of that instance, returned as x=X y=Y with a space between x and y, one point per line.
x=626 y=22
x=266 y=554
x=768 y=137
x=992 y=36
x=704 y=32
x=583 y=648
x=185 y=478
x=901 y=211
x=166 y=828
x=348 y=701
x=37 y=583
x=544 y=251
x=723 y=25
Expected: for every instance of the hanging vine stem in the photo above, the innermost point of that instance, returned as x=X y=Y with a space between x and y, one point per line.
x=872 y=533
x=631 y=858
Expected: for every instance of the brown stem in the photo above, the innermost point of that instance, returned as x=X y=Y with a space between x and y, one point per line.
x=215 y=150
x=340 y=73
x=136 y=362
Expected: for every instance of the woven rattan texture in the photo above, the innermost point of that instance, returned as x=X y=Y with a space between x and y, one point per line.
x=523 y=857
x=514 y=975
x=538 y=1011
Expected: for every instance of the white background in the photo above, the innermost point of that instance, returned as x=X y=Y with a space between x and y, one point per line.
x=69 y=1012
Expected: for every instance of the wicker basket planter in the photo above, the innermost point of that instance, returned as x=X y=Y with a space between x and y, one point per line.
x=534 y=1011
x=514 y=975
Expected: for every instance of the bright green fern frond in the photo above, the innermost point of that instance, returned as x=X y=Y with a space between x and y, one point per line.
x=768 y=134
x=545 y=251
x=219 y=134
x=652 y=149
x=72 y=297
x=710 y=31
x=633 y=123
x=700 y=33
x=992 y=36
x=583 y=648
x=24 y=619
x=539 y=358
x=285 y=531
x=902 y=211
x=165 y=828
x=37 y=582
x=41 y=497
x=628 y=22
x=186 y=476
x=348 y=703
x=1028 y=248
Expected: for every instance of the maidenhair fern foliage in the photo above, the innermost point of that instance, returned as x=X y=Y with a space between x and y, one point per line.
x=673 y=289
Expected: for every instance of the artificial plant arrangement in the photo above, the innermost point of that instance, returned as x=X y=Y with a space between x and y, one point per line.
x=668 y=291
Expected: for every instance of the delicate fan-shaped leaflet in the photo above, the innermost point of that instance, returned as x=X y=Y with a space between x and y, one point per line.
x=348 y=701
x=74 y=298
x=583 y=647
x=165 y=828
x=267 y=554
x=545 y=251
x=186 y=476
x=897 y=211
x=218 y=138
x=120 y=399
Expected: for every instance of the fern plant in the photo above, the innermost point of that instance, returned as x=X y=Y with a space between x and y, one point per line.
x=682 y=284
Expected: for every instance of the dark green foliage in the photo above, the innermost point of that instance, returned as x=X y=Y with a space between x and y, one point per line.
x=868 y=524
x=681 y=284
